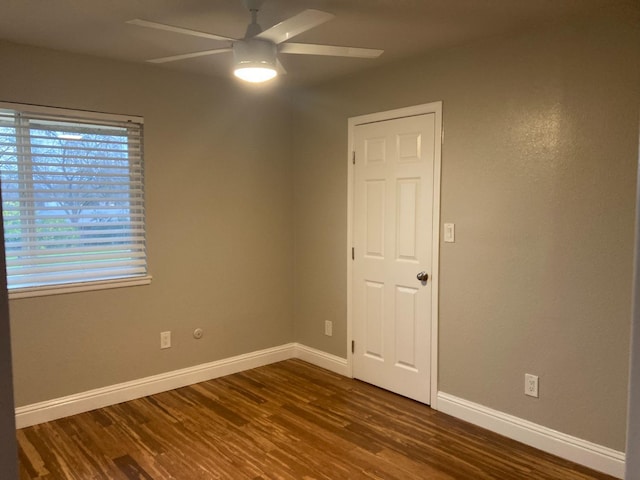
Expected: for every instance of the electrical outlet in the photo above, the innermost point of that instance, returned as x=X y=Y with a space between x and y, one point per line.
x=165 y=339
x=531 y=385
x=328 y=328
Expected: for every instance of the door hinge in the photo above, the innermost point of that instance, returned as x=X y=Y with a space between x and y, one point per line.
x=353 y=346
x=353 y=157
x=353 y=253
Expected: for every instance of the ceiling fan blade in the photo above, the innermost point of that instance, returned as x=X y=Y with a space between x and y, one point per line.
x=174 y=29
x=295 y=25
x=330 y=50
x=280 y=68
x=184 y=56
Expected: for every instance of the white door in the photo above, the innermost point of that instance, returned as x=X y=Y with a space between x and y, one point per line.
x=392 y=237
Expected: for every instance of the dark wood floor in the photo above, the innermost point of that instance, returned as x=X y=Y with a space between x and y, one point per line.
x=288 y=420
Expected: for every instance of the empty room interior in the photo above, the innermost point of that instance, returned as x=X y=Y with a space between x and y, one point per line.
x=261 y=208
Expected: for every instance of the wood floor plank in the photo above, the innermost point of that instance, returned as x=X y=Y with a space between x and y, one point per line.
x=290 y=420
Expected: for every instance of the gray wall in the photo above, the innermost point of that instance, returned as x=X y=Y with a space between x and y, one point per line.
x=538 y=174
x=633 y=423
x=8 y=452
x=219 y=221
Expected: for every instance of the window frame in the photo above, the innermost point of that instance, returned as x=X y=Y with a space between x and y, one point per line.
x=63 y=114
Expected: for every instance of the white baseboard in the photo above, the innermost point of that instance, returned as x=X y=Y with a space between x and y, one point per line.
x=101 y=397
x=551 y=441
x=322 y=359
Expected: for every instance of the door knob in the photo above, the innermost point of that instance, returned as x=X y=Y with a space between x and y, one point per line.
x=423 y=276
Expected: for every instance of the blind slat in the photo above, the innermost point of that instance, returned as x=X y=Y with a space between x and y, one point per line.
x=72 y=267
x=75 y=204
x=43 y=230
x=72 y=260
x=22 y=248
x=62 y=174
x=115 y=137
x=23 y=281
x=128 y=241
x=122 y=162
x=62 y=251
x=11 y=181
x=69 y=217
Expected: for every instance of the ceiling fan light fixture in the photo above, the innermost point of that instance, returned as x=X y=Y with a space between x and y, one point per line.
x=254 y=74
x=254 y=60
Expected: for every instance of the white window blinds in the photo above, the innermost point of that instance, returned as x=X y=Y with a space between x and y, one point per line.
x=72 y=196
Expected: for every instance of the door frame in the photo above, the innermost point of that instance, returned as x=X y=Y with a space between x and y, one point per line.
x=426 y=108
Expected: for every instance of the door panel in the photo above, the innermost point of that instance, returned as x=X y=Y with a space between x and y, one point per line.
x=374 y=324
x=407 y=196
x=375 y=206
x=393 y=231
x=405 y=324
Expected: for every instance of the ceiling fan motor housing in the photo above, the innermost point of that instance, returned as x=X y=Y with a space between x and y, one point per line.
x=255 y=52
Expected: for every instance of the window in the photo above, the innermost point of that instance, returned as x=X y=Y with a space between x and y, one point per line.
x=72 y=200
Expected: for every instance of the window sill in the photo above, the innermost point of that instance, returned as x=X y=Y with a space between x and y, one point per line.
x=78 y=287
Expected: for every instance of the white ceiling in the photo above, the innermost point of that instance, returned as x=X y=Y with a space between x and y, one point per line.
x=401 y=27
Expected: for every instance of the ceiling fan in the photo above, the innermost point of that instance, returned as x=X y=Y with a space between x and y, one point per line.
x=256 y=55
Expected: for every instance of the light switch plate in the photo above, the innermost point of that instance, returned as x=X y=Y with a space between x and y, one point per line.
x=449 y=232
x=165 y=340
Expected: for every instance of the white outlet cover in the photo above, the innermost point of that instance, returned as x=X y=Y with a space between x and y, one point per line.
x=531 y=385
x=328 y=328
